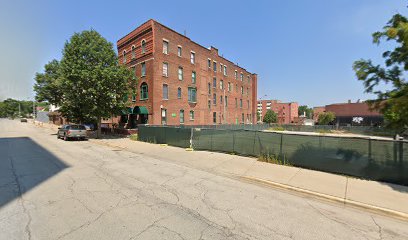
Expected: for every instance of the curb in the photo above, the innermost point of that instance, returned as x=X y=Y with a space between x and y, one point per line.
x=372 y=208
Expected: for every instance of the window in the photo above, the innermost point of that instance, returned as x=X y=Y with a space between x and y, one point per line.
x=133 y=97
x=214 y=82
x=144 y=91
x=133 y=52
x=248 y=103
x=229 y=87
x=225 y=70
x=247 y=91
x=209 y=104
x=221 y=84
x=165 y=47
x=242 y=77
x=236 y=75
x=181 y=116
x=193 y=77
x=165 y=69
x=124 y=56
x=180 y=73
x=249 y=79
x=209 y=63
x=179 y=93
x=243 y=118
x=209 y=88
x=220 y=67
x=226 y=101
x=214 y=117
x=215 y=66
x=133 y=70
x=221 y=100
x=165 y=91
x=179 y=51
x=191 y=115
x=143 y=69
x=143 y=46
x=242 y=90
x=214 y=99
x=236 y=103
x=192 y=95
x=240 y=103
x=192 y=57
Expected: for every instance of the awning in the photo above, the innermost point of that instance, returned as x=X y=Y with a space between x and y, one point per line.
x=140 y=110
x=127 y=111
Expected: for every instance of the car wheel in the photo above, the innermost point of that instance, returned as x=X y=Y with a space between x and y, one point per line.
x=65 y=138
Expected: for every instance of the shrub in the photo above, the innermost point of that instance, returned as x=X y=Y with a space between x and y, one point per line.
x=133 y=137
x=270 y=117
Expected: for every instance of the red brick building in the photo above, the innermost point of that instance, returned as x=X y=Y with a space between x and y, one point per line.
x=349 y=113
x=287 y=112
x=182 y=82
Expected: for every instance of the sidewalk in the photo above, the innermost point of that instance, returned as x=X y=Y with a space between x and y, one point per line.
x=385 y=198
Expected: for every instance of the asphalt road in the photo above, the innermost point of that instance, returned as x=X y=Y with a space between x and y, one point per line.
x=51 y=189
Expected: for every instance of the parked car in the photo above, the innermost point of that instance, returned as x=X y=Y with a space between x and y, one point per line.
x=72 y=131
x=23 y=119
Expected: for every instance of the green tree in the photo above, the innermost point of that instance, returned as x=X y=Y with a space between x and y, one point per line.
x=305 y=109
x=393 y=102
x=270 y=117
x=48 y=84
x=325 y=118
x=93 y=84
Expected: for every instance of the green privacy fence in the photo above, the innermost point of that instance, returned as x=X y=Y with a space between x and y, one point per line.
x=382 y=160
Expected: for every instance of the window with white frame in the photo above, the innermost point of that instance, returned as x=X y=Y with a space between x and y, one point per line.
x=225 y=70
x=236 y=74
x=214 y=82
x=181 y=116
x=165 y=69
x=143 y=69
x=144 y=94
x=214 y=66
x=242 y=90
x=240 y=103
x=180 y=73
x=192 y=95
x=179 y=92
x=221 y=67
x=242 y=77
x=165 y=47
x=191 y=115
x=143 y=45
x=215 y=99
x=221 y=84
x=193 y=77
x=165 y=91
x=209 y=63
x=124 y=56
x=229 y=87
x=192 y=57
x=133 y=52
x=179 y=51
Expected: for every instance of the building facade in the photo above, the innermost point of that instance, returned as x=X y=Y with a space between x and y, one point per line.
x=287 y=112
x=355 y=114
x=182 y=82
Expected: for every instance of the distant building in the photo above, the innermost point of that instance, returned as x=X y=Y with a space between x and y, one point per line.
x=287 y=112
x=317 y=111
x=349 y=113
x=182 y=82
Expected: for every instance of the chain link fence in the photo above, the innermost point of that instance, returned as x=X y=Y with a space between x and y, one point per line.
x=381 y=160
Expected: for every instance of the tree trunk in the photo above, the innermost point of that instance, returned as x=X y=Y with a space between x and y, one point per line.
x=98 y=131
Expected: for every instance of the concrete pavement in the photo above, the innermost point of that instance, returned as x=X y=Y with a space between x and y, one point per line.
x=51 y=189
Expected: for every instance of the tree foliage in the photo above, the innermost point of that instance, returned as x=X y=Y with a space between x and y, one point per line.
x=393 y=103
x=93 y=84
x=304 y=109
x=270 y=117
x=11 y=107
x=48 y=84
x=326 y=118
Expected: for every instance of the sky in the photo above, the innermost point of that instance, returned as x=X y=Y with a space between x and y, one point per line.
x=302 y=51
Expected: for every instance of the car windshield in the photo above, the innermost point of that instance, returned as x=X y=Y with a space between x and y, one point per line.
x=77 y=127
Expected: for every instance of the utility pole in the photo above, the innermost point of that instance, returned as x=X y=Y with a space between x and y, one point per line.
x=34 y=110
x=19 y=109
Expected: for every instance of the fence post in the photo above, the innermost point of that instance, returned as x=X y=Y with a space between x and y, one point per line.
x=281 y=145
x=369 y=149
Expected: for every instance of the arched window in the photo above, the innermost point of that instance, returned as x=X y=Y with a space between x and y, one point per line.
x=124 y=56
x=179 y=93
x=133 y=52
x=144 y=91
x=143 y=46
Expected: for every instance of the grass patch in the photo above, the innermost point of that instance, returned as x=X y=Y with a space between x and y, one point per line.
x=277 y=128
x=133 y=137
x=273 y=158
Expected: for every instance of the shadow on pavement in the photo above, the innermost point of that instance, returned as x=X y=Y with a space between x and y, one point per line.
x=24 y=165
